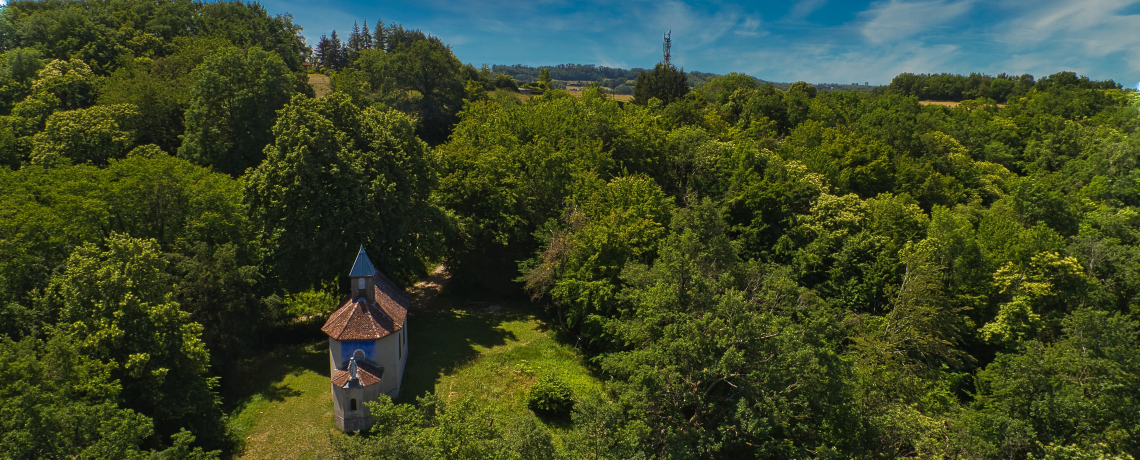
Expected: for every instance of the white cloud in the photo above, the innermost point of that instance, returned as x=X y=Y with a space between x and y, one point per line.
x=1072 y=33
x=803 y=9
x=836 y=64
x=896 y=20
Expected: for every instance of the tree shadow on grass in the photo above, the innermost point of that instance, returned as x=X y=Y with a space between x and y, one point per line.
x=263 y=373
x=442 y=340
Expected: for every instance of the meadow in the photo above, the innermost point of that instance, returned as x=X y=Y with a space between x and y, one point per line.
x=459 y=346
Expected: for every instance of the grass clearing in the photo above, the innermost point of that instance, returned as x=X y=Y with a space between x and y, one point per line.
x=281 y=404
x=493 y=357
x=947 y=103
x=321 y=84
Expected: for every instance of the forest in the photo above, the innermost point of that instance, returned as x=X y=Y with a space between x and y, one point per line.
x=752 y=271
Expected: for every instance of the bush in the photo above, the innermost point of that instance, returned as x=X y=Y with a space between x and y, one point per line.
x=550 y=395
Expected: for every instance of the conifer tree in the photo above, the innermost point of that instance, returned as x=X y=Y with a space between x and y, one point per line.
x=380 y=36
x=355 y=43
x=321 y=54
x=365 y=36
x=336 y=55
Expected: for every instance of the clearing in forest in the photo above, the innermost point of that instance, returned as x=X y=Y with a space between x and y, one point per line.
x=320 y=83
x=458 y=346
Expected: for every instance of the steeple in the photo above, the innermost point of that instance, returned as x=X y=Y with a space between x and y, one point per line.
x=362 y=276
x=362 y=266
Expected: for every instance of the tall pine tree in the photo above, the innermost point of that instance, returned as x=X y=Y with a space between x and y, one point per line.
x=380 y=37
x=335 y=57
x=366 y=36
x=355 y=44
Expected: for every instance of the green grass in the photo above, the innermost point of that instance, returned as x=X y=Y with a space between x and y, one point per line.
x=281 y=407
x=493 y=357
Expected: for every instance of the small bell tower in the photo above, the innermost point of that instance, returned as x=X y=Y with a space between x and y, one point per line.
x=362 y=277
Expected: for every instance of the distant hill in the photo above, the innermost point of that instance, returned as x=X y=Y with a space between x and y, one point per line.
x=620 y=81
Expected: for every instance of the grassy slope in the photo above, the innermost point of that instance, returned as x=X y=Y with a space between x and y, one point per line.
x=281 y=402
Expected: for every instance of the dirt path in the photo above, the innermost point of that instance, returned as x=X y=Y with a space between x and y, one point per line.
x=425 y=292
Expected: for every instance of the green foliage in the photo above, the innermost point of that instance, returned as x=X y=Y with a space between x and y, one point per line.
x=118 y=305
x=336 y=170
x=421 y=77
x=438 y=429
x=606 y=227
x=102 y=34
x=71 y=82
x=313 y=302
x=94 y=136
x=706 y=352
x=234 y=99
x=550 y=395
x=58 y=402
x=664 y=82
x=949 y=87
x=196 y=216
x=782 y=272
x=1079 y=390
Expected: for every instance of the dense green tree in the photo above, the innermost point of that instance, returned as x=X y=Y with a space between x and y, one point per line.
x=94 y=135
x=18 y=67
x=337 y=176
x=725 y=369
x=606 y=226
x=1080 y=390
x=234 y=99
x=71 y=82
x=60 y=403
x=118 y=304
x=420 y=76
x=457 y=430
x=665 y=82
x=508 y=168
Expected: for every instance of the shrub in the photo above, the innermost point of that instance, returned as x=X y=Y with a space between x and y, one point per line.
x=550 y=395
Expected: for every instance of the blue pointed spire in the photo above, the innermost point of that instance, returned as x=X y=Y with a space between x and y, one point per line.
x=362 y=266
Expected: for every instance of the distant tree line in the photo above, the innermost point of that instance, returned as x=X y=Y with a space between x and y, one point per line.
x=619 y=81
x=1002 y=88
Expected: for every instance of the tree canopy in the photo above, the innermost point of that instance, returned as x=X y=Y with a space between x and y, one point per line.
x=750 y=269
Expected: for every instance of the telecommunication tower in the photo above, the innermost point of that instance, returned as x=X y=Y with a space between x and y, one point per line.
x=667 y=46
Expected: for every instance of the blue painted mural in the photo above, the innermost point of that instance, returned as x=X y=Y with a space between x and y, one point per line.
x=348 y=348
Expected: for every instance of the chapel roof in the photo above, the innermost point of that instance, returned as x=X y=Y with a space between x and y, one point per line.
x=366 y=374
x=362 y=319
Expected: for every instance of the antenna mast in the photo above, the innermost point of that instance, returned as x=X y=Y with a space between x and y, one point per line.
x=667 y=47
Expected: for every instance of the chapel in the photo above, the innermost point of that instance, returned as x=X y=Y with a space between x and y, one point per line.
x=368 y=344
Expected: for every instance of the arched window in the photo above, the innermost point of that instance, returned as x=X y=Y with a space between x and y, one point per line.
x=352 y=404
x=358 y=355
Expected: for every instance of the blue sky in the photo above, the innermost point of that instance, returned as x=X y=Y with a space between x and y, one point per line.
x=818 y=41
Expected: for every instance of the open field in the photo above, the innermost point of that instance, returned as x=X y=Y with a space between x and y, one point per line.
x=491 y=351
x=619 y=97
x=947 y=103
x=320 y=84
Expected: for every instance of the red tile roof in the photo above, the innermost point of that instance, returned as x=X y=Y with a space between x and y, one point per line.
x=366 y=373
x=359 y=319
